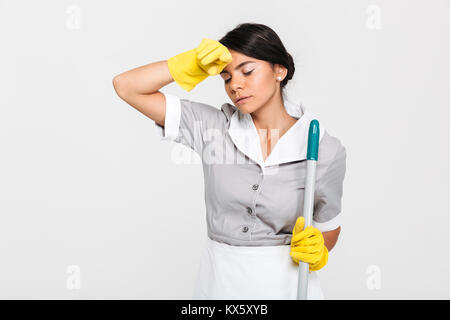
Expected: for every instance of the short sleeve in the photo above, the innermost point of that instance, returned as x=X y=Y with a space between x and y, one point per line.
x=185 y=121
x=328 y=194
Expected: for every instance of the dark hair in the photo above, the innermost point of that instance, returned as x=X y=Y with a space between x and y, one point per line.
x=260 y=42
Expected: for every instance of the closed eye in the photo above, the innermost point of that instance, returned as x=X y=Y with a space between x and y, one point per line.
x=246 y=73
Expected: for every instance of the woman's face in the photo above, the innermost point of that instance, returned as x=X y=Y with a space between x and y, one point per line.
x=249 y=77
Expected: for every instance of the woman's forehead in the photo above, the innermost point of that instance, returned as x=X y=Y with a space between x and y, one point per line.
x=239 y=57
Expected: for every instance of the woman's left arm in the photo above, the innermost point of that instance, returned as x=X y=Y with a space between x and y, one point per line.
x=330 y=238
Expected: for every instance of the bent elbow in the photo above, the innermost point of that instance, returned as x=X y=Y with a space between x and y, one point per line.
x=118 y=86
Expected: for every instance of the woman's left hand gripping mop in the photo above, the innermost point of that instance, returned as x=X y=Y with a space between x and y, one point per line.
x=308 y=245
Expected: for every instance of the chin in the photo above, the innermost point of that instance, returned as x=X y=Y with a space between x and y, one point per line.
x=245 y=109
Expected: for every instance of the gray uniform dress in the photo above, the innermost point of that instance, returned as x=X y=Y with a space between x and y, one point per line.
x=252 y=204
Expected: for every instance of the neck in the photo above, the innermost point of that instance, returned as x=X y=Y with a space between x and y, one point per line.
x=272 y=116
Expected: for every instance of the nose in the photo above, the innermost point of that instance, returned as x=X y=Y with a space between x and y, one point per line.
x=236 y=83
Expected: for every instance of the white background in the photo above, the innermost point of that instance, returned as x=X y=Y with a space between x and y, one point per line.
x=92 y=204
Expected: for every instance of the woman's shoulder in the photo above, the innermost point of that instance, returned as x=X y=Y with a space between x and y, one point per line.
x=330 y=146
x=332 y=154
x=208 y=113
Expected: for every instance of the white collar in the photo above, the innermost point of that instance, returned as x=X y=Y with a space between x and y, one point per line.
x=292 y=146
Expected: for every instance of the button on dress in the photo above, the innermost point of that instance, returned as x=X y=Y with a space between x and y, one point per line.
x=252 y=204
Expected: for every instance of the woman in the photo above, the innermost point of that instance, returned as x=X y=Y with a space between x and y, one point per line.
x=254 y=162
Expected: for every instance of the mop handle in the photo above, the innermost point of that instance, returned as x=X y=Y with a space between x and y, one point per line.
x=308 y=204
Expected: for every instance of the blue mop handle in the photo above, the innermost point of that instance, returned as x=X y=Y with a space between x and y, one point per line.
x=308 y=205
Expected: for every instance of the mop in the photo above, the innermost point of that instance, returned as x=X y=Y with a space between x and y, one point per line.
x=308 y=205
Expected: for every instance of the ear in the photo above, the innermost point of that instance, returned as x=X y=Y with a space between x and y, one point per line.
x=279 y=70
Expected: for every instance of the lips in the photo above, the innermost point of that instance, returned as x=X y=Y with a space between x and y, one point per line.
x=242 y=99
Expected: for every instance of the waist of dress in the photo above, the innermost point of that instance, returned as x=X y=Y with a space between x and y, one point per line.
x=246 y=249
x=258 y=241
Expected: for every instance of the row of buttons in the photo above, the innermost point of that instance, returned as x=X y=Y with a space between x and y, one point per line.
x=249 y=210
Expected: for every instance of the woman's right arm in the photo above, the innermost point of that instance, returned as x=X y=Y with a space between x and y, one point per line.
x=139 y=88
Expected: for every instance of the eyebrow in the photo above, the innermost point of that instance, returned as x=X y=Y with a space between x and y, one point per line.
x=240 y=65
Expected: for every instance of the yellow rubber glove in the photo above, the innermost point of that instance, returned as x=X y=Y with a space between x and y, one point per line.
x=193 y=66
x=308 y=246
